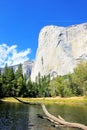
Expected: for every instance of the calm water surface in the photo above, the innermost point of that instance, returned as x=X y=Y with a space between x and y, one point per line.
x=17 y=116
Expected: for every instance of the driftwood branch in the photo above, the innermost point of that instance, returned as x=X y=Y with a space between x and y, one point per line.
x=57 y=121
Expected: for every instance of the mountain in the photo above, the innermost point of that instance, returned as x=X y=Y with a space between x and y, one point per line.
x=26 y=67
x=60 y=49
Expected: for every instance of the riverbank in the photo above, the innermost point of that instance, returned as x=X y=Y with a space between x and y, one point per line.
x=49 y=100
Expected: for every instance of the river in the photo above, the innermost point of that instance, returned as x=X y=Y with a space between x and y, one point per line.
x=17 y=116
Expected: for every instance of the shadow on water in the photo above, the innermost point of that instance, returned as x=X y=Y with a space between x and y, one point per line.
x=17 y=116
x=12 y=116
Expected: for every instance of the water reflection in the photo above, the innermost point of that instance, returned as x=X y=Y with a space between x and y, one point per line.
x=70 y=113
x=14 y=116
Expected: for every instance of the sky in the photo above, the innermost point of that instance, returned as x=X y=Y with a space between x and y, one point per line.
x=22 y=20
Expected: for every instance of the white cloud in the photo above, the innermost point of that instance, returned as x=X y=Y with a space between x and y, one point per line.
x=10 y=55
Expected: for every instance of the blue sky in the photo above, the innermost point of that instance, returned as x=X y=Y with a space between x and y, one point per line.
x=22 y=20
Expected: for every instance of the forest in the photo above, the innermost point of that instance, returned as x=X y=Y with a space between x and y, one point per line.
x=16 y=84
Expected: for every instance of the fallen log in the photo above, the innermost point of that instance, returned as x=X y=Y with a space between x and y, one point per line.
x=62 y=121
x=57 y=121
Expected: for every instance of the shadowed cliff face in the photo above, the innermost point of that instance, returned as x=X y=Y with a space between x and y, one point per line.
x=60 y=49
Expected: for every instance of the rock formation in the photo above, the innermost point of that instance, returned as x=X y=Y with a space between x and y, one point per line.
x=60 y=49
x=26 y=68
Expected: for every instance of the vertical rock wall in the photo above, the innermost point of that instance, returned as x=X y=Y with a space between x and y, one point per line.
x=60 y=49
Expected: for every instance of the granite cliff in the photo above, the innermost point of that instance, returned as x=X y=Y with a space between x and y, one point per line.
x=60 y=49
x=26 y=68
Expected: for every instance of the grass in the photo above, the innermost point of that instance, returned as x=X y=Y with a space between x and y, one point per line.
x=49 y=100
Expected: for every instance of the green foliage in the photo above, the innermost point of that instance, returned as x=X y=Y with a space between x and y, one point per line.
x=43 y=85
x=19 y=72
x=7 y=81
x=15 y=84
x=20 y=81
x=59 y=87
x=31 y=89
x=80 y=77
x=11 y=84
x=19 y=86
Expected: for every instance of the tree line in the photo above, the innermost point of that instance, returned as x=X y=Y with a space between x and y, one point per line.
x=16 y=84
x=74 y=84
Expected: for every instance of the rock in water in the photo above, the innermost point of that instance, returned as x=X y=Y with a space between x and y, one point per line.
x=60 y=49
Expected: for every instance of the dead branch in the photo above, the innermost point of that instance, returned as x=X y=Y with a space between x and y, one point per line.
x=57 y=121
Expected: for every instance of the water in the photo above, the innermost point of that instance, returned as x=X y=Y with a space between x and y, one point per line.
x=17 y=116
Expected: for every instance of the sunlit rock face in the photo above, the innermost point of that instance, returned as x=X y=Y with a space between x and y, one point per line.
x=27 y=68
x=60 y=49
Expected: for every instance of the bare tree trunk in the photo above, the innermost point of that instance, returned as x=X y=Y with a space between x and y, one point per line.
x=61 y=121
x=55 y=120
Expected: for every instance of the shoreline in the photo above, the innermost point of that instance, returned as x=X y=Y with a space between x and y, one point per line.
x=50 y=100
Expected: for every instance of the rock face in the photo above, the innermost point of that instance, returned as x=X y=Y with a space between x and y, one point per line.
x=60 y=49
x=27 y=68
